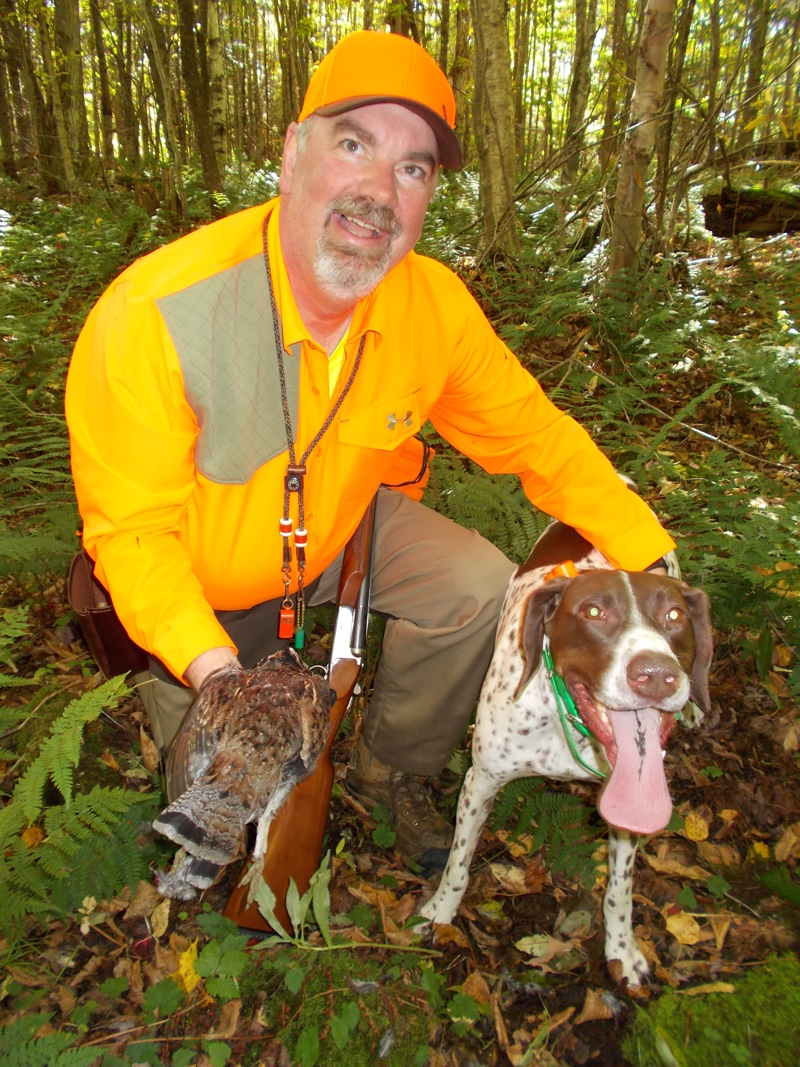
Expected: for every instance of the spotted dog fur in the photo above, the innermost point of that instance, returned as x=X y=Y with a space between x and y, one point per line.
x=633 y=648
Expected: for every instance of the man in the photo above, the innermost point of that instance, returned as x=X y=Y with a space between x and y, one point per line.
x=236 y=398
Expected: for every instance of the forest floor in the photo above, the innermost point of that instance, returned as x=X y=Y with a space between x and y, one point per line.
x=702 y=913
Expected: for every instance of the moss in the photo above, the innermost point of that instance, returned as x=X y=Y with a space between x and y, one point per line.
x=758 y=1024
x=344 y=1001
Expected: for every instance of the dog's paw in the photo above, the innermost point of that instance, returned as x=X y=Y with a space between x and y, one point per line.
x=632 y=967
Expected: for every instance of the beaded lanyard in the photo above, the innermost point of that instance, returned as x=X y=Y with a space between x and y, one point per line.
x=291 y=619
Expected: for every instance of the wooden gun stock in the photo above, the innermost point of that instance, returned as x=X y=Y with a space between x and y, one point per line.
x=294 y=846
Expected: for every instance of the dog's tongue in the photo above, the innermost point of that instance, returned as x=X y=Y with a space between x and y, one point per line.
x=636 y=797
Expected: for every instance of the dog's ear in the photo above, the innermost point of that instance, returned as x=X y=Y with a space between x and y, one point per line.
x=540 y=606
x=700 y=613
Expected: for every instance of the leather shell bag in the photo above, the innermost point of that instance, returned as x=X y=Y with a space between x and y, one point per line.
x=107 y=640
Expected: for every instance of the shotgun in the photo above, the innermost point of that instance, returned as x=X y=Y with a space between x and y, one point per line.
x=294 y=846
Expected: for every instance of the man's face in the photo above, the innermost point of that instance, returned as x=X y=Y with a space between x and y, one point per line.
x=356 y=187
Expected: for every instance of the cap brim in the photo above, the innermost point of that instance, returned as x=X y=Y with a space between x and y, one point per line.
x=449 y=147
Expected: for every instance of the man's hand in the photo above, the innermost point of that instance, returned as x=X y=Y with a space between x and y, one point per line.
x=208 y=662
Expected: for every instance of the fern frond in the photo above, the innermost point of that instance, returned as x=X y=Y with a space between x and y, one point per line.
x=60 y=752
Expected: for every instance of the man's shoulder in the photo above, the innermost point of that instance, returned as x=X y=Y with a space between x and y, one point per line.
x=421 y=270
x=197 y=256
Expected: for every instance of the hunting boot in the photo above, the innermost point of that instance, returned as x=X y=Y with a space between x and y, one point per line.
x=424 y=836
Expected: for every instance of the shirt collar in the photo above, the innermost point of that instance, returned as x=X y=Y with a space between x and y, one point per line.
x=368 y=314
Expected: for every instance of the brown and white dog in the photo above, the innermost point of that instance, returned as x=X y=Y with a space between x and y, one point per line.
x=632 y=649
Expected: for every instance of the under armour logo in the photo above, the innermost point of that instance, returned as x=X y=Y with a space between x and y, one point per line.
x=394 y=421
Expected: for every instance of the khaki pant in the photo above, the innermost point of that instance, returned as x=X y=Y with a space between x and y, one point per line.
x=440 y=588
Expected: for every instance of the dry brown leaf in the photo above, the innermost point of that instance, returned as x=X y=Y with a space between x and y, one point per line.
x=594 y=1007
x=728 y=815
x=150 y=757
x=30 y=981
x=477 y=987
x=66 y=999
x=709 y=987
x=144 y=903
x=445 y=934
x=32 y=837
x=789 y=845
x=519 y=846
x=720 y=924
x=718 y=855
x=228 y=1021
x=510 y=878
x=165 y=959
x=695 y=872
x=373 y=896
x=405 y=908
x=109 y=760
x=159 y=920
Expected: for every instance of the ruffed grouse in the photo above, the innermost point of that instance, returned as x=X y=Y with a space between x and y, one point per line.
x=247 y=739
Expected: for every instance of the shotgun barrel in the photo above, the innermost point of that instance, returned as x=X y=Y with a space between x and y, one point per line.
x=294 y=846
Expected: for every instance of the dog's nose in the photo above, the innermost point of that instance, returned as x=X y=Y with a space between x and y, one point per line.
x=653 y=676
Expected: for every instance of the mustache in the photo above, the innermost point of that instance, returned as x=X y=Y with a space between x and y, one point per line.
x=367 y=212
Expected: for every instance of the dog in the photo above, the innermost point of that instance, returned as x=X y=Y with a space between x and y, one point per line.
x=633 y=649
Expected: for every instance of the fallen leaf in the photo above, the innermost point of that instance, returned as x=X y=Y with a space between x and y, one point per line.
x=684 y=928
x=760 y=850
x=518 y=845
x=477 y=987
x=510 y=877
x=696 y=873
x=789 y=845
x=718 y=855
x=709 y=987
x=66 y=999
x=791 y=743
x=150 y=757
x=445 y=934
x=728 y=815
x=160 y=918
x=594 y=1007
x=109 y=760
x=695 y=826
x=144 y=903
x=720 y=924
x=186 y=974
x=33 y=836
x=228 y=1021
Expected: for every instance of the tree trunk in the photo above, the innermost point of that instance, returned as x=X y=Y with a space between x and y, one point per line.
x=637 y=151
x=759 y=21
x=665 y=130
x=580 y=82
x=125 y=112
x=195 y=79
x=106 y=104
x=66 y=173
x=68 y=65
x=493 y=121
x=8 y=161
x=158 y=53
x=460 y=73
x=216 y=87
x=619 y=50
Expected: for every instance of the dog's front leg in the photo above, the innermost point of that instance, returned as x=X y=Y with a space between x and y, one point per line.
x=474 y=805
x=618 y=908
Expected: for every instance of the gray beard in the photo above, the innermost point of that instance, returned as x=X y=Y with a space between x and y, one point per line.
x=348 y=275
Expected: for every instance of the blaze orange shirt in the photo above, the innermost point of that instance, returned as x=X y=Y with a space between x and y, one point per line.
x=179 y=443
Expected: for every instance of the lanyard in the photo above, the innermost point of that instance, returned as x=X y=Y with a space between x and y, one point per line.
x=291 y=619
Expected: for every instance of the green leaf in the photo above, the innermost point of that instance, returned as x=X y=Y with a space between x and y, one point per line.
x=184 y=1057
x=217 y=1051
x=223 y=988
x=350 y=1014
x=383 y=836
x=232 y=963
x=294 y=979
x=718 y=886
x=340 y=1032
x=297 y=906
x=266 y=901
x=165 y=997
x=321 y=898
x=207 y=962
x=687 y=899
x=306 y=1051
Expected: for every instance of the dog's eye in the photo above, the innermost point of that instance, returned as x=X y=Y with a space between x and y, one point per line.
x=593 y=612
x=674 y=615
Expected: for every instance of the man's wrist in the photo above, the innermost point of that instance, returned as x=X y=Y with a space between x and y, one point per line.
x=214 y=659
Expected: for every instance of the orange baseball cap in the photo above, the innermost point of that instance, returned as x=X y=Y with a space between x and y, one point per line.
x=368 y=67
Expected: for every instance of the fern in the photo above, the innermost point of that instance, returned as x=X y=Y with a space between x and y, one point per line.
x=559 y=822
x=60 y=752
x=19 y=1046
